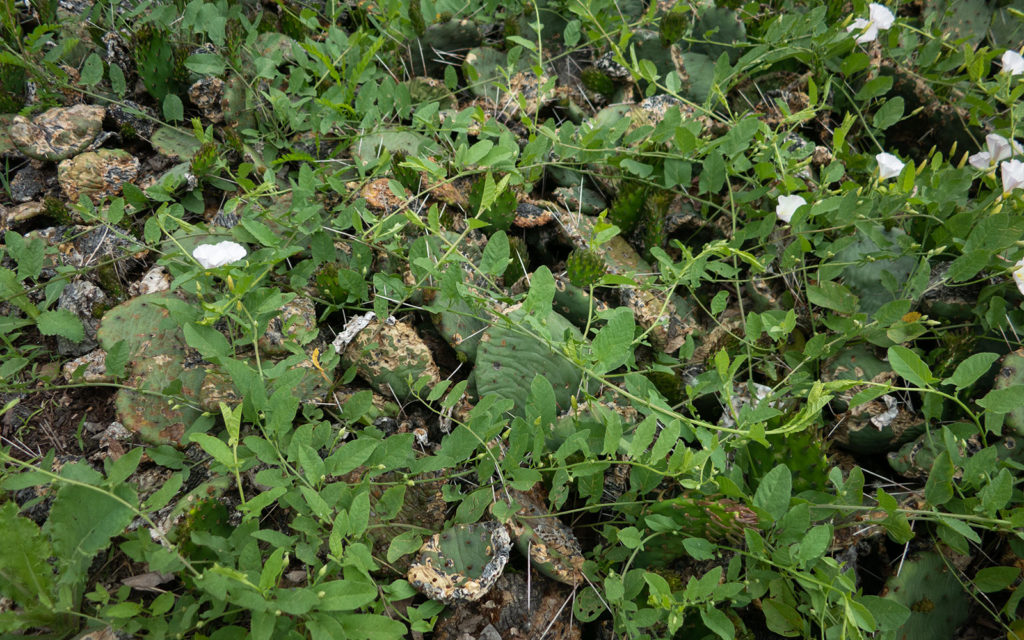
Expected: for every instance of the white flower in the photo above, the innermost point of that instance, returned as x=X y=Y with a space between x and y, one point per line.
x=1018 y=275
x=999 y=149
x=1012 y=172
x=787 y=206
x=889 y=166
x=1013 y=63
x=212 y=256
x=879 y=18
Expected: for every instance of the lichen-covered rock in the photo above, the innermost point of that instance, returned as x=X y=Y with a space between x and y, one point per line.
x=97 y=174
x=88 y=302
x=58 y=133
x=27 y=184
x=207 y=94
x=461 y=563
x=155 y=280
x=92 y=367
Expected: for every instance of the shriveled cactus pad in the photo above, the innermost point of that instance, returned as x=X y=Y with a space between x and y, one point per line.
x=157 y=353
x=549 y=542
x=461 y=563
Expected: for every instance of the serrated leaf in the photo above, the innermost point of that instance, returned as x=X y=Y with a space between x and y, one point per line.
x=61 y=322
x=910 y=366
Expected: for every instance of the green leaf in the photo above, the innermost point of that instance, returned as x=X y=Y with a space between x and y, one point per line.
x=888 y=613
x=612 y=343
x=346 y=595
x=496 y=254
x=910 y=366
x=209 y=342
x=630 y=537
x=477 y=152
x=25 y=573
x=359 y=514
x=889 y=113
x=117 y=358
x=699 y=548
x=832 y=295
x=960 y=527
x=84 y=519
x=215 y=447
x=403 y=544
x=61 y=322
x=781 y=618
x=939 y=487
x=542 y=292
x=718 y=622
x=995 y=495
x=365 y=626
x=174 y=110
x=995 y=578
x=92 y=71
x=205 y=64
x=774 y=492
x=968 y=371
x=815 y=542
x=1003 y=400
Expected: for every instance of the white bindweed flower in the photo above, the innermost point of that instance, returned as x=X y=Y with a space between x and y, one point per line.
x=999 y=149
x=787 y=206
x=212 y=256
x=1018 y=275
x=1012 y=172
x=1013 y=63
x=889 y=166
x=879 y=19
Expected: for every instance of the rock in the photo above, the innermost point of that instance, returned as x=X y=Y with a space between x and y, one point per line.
x=58 y=133
x=83 y=299
x=27 y=184
x=207 y=94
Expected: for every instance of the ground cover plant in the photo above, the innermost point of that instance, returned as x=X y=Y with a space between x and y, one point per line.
x=561 y=319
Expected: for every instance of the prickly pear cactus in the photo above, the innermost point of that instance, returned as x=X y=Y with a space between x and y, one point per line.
x=1011 y=373
x=584 y=267
x=157 y=353
x=160 y=63
x=724 y=31
x=547 y=541
x=459 y=323
x=938 y=603
x=713 y=518
x=576 y=304
x=804 y=452
x=386 y=354
x=865 y=278
x=508 y=358
x=461 y=563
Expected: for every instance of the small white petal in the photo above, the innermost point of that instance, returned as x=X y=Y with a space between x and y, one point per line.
x=1018 y=275
x=787 y=206
x=859 y=25
x=1012 y=172
x=998 y=147
x=889 y=166
x=212 y=256
x=1013 y=63
x=881 y=15
x=981 y=160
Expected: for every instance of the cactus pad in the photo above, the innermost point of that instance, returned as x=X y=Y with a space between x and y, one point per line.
x=938 y=603
x=157 y=350
x=550 y=544
x=1011 y=373
x=508 y=359
x=461 y=563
